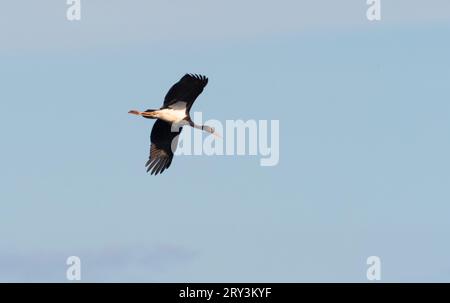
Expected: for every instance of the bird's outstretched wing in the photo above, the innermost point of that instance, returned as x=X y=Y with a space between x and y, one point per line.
x=187 y=90
x=164 y=141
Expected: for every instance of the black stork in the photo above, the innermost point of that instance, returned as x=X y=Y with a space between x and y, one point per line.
x=170 y=119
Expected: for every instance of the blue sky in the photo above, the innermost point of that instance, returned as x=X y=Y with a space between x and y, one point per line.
x=364 y=141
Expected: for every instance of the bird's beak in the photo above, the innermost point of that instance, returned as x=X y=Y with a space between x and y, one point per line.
x=216 y=135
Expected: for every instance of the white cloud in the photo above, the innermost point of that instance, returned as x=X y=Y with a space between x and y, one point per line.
x=115 y=263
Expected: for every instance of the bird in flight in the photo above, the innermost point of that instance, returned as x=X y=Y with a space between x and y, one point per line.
x=170 y=119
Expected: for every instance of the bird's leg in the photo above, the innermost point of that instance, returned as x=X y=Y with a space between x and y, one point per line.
x=150 y=113
x=135 y=112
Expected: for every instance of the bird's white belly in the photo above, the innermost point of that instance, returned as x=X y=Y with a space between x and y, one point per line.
x=171 y=115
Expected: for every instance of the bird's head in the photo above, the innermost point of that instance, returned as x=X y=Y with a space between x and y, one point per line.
x=211 y=130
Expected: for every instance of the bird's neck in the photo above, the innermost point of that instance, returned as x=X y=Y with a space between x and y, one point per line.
x=193 y=124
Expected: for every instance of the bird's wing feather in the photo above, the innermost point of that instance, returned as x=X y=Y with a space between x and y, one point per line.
x=187 y=90
x=164 y=141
